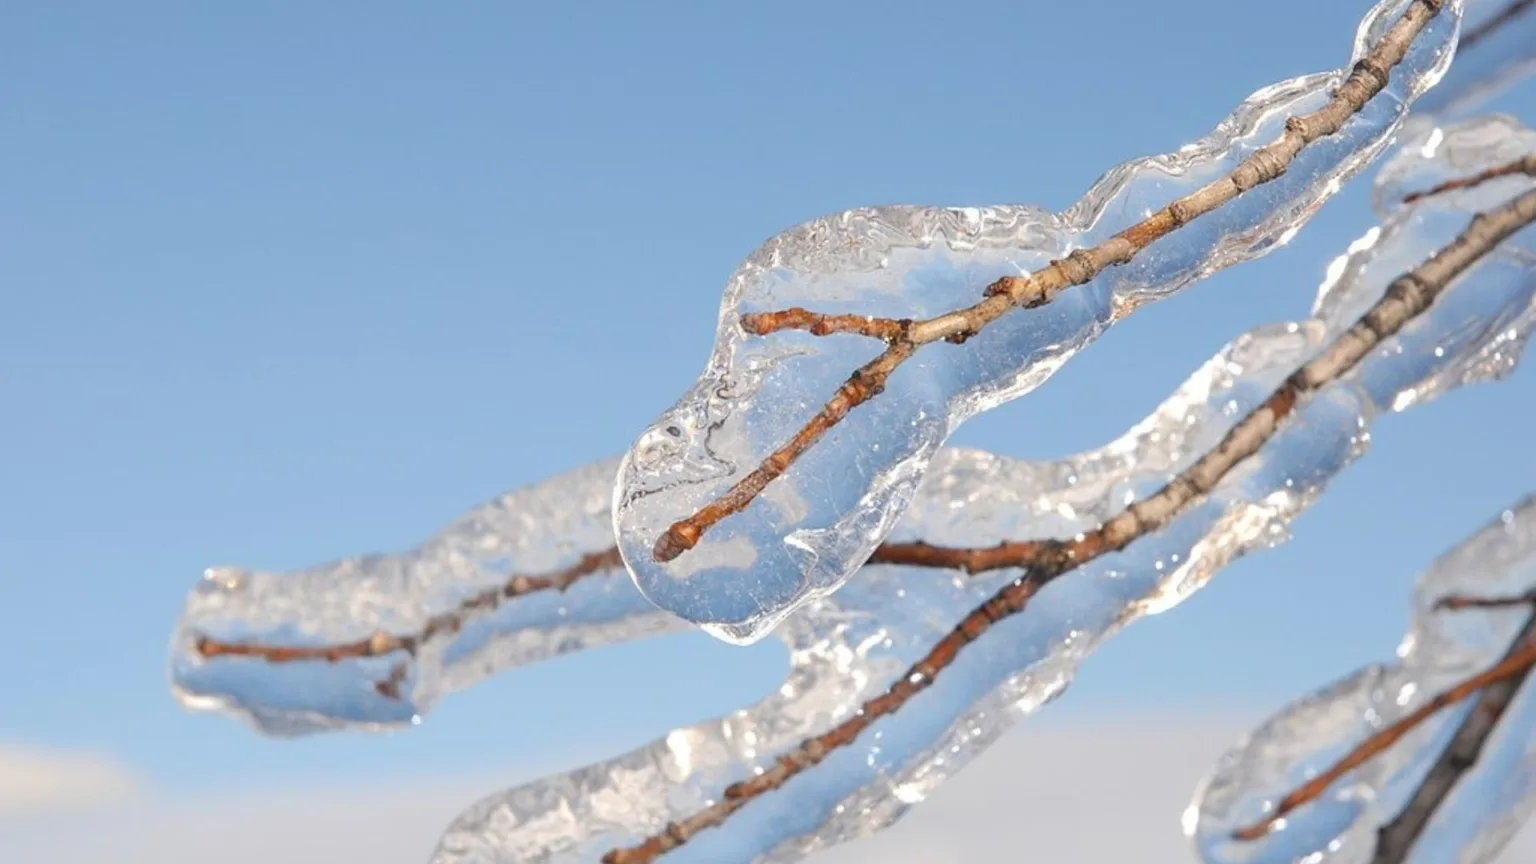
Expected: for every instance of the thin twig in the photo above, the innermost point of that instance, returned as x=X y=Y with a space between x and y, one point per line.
x=1045 y=560
x=1368 y=78
x=381 y=642
x=1459 y=601
x=1509 y=169
x=1510 y=670
x=1396 y=838
x=820 y=324
x=1474 y=37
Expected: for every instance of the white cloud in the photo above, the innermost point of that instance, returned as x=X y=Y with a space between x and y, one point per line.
x=37 y=780
x=1055 y=790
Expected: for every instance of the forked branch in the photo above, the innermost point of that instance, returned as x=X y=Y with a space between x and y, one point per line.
x=1035 y=555
x=1045 y=560
x=1497 y=686
x=903 y=337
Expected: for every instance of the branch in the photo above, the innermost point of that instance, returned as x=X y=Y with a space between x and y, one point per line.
x=381 y=643
x=1498 y=685
x=1368 y=77
x=1509 y=169
x=1044 y=561
x=1397 y=838
x=1473 y=38
x=1032 y=554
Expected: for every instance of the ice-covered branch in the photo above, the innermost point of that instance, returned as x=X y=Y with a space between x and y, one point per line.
x=810 y=499
x=1397 y=838
x=1502 y=18
x=1408 y=296
x=444 y=604
x=1424 y=784
x=1510 y=670
x=374 y=641
x=851 y=650
x=1497 y=50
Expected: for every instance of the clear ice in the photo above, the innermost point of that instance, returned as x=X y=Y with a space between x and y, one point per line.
x=852 y=645
x=807 y=533
x=458 y=579
x=1488 y=803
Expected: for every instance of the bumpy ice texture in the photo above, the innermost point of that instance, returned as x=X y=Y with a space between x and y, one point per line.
x=812 y=527
x=1487 y=805
x=849 y=646
x=450 y=596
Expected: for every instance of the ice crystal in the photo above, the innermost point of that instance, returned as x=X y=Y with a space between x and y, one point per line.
x=851 y=645
x=1441 y=647
x=813 y=527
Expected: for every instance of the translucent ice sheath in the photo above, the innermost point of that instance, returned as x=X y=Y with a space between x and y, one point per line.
x=814 y=525
x=1487 y=804
x=374 y=641
x=850 y=646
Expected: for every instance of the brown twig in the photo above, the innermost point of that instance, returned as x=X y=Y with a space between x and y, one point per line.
x=819 y=324
x=1396 y=838
x=1045 y=560
x=1407 y=296
x=381 y=642
x=1459 y=601
x=1508 y=673
x=1473 y=38
x=1367 y=78
x=1509 y=169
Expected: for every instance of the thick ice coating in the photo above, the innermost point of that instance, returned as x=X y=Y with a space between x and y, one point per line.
x=851 y=645
x=1486 y=806
x=330 y=636
x=810 y=528
x=373 y=641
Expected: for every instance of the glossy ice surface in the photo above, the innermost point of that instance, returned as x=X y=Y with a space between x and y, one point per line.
x=813 y=526
x=1487 y=805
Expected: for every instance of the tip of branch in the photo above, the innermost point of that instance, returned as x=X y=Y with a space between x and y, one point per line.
x=678 y=539
x=756 y=323
x=1253 y=832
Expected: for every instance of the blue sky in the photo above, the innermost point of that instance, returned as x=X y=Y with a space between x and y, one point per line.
x=286 y=283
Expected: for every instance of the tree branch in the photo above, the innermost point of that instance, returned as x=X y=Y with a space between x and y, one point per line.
x=1041 y=557
x=1368 y=78
x=1397 y=838
x=1498 y=685
x=381 y=643
x=1509 y=169
x=1045 y=560
x=1473 y=38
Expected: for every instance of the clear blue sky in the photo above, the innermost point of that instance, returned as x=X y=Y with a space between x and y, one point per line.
x=284 y=282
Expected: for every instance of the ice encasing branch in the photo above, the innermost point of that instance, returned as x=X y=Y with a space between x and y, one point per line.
x=1043 y=561
x=904 y=337
x=1497 y=686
